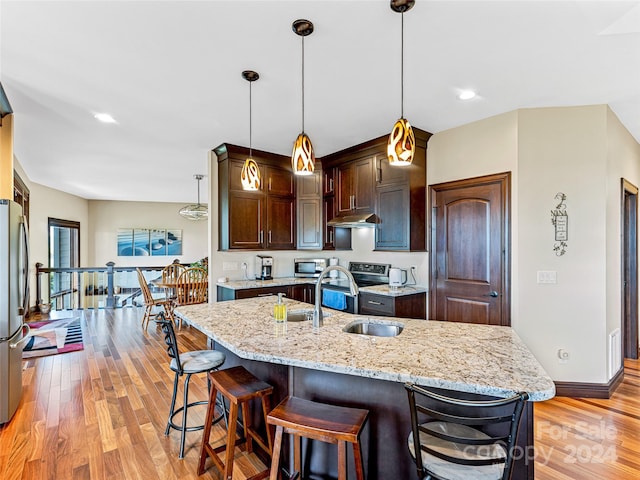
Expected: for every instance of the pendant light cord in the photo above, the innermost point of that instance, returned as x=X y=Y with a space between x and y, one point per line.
x=402 y=65
x=250 y=122
x=303 y=84
x=198 y=191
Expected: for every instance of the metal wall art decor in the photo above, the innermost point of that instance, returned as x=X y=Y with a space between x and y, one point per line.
x=560 y=222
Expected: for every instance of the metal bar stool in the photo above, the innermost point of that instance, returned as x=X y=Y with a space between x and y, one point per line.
x=239 y=386
x=318 y=421
x=187 y=363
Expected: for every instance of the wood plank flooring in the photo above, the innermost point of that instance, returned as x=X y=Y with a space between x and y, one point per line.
x=100 y=413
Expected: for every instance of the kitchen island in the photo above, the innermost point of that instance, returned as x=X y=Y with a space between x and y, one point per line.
x=333 y=366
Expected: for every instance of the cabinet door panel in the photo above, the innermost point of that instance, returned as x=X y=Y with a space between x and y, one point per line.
x=310 y=185
x=329 y=181
x=328 y=214
x=392 y=231
x=245 y=225
x=280 y=223
x=363 y=186
x=387 y=174
x=344 y=190
x=279 y=181
x=309 y=223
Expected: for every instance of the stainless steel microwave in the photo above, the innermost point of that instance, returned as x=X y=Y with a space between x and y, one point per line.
x=309 y=267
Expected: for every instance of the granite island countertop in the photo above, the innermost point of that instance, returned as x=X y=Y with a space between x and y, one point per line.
x=482 y=359
x=277 y=282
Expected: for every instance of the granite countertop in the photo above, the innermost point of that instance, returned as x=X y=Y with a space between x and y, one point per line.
x=393 y=292
x=277 y=282
x=481 y=359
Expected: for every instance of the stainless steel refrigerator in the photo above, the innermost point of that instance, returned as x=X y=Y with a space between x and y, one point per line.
x=14 y=294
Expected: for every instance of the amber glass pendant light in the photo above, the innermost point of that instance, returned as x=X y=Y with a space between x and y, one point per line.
x=401 y=146
x=250 y=173
x=302 y=158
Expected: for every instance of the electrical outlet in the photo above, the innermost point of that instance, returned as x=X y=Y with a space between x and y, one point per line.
x=229 y=266
x=563 y=355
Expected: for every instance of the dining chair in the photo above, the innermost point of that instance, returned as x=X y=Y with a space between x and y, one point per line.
x=457 y=439
x=187 y=364
x=192 y=287
x=150 y=301
x=170 y=274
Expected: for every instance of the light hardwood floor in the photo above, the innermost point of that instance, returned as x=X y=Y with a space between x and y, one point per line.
x=100 y=414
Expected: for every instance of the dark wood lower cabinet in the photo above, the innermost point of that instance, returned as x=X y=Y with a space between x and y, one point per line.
x=405 y=306
x=225 y=294
x=301 y=292
x=384 y=439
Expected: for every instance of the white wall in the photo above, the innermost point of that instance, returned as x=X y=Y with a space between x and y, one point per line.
x=106 y=217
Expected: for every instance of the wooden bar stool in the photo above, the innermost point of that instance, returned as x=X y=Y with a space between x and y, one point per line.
x=239 y=386
x=318 y=421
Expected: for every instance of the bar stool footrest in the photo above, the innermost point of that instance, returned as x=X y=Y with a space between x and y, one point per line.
x=194 y=428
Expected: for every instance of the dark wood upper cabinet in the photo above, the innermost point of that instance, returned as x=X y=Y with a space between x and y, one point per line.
x=356 y=180
x=355 y=187
x=260 y=220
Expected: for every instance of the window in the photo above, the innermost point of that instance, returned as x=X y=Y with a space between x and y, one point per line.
x=64 y=252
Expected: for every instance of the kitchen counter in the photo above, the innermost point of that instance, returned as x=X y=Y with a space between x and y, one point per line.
x=482 y=359
x=393 y=292
x=283 y=281
x=329 y=365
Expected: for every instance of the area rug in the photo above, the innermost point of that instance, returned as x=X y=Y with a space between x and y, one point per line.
x=49 y=337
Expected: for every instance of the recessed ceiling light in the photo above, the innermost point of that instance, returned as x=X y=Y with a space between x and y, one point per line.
x=104 y=117
x=466 y=95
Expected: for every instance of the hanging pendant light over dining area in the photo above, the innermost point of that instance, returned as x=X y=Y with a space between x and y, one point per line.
x=197 y=211
x=250 y=173
x=302 y=158
x=401 y=146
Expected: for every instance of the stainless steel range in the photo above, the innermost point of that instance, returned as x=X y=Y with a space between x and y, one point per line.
x=364 y=274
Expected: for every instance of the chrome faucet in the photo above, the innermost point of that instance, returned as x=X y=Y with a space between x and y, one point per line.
x=317 y=311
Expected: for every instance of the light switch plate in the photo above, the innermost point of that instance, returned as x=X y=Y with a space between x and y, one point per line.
x=547 y=277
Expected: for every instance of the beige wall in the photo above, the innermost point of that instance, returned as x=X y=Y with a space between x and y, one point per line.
x=582 y=152
x=623 y=153
x=563 y=150
x=45 y=203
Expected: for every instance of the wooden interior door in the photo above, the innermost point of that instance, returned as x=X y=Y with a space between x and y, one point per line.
x=470 y=251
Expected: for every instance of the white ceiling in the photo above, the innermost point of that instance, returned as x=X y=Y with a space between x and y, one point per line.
x=170 y=74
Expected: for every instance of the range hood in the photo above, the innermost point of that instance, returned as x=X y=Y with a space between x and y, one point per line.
x=363 y=220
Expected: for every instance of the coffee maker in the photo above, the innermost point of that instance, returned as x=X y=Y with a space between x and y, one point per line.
x=264 y=264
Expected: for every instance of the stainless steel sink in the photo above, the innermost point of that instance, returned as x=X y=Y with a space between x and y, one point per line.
x=376 y=328
x=302 y=315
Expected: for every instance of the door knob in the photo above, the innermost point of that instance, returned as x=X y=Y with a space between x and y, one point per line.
x=493 y=293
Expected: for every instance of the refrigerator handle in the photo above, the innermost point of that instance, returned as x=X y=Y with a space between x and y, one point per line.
x=23 y=339
x=24 y=278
